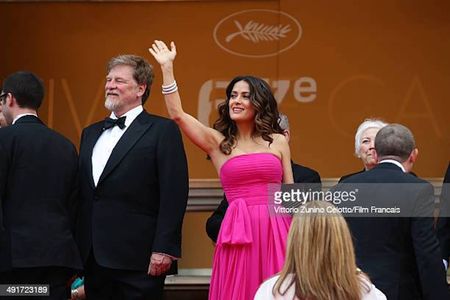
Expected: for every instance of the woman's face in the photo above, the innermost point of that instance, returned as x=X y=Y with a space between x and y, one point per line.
x=367 y=149
x=240 y=106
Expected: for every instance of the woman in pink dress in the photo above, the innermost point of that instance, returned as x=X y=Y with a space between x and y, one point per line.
x=250 y=152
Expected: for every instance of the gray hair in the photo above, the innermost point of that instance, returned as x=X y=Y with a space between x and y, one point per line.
x=143 y=71
x=368 y=123
x=283 y=121
x=394 y=141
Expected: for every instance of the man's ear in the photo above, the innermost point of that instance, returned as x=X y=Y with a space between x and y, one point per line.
x=141 y=89
x=413 y=156
x=10 y=100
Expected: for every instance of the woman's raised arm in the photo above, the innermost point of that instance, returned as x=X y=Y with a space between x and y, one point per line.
x=203 y=136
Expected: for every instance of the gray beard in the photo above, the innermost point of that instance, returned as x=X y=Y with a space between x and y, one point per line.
x=111 y=105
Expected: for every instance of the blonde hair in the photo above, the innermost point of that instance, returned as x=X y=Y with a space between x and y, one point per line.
x=320 y=259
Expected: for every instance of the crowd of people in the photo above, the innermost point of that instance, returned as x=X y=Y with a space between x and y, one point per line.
x=113 y=213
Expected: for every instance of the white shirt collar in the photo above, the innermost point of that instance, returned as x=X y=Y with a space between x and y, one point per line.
x=130 y=115
x=23 y=115
x=394 y=162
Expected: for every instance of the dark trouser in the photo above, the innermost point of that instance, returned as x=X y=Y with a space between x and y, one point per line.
x=56 y=277
x=101 y=283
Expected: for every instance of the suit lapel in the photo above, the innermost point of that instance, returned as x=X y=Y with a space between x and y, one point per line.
x=88 y=147
x=137 y=128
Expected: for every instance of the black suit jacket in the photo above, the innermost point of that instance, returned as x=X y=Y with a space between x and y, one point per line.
x=139 y=202
x=444 y=220
x=38 y=195
x=350 y=175
x=301 y=175
x=400 y=254
x=359 y=172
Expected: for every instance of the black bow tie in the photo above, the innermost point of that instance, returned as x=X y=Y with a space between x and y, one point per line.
x=110 y=123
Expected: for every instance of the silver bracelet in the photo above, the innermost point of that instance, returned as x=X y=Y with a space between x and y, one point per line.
x=170 y=88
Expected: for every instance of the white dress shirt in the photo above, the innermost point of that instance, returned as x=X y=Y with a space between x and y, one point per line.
x=108 y=140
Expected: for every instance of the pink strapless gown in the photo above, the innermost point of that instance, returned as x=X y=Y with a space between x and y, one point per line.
x=251 y=245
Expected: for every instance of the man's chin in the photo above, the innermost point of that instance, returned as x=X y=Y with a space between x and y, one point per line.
x=111 y=105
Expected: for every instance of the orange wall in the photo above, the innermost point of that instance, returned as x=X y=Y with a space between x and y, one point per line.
x=386 y=58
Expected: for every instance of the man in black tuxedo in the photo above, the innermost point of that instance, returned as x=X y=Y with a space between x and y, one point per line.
x=401 y=255
x=134 y=185
x=301 y=175
x=38 y=193
x=443 y=224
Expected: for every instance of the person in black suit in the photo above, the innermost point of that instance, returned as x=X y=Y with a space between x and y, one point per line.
x=443 y=224
x=38 y=193
x=401 y=255
x=365 y=144
x=134 y=187
x=301 y=174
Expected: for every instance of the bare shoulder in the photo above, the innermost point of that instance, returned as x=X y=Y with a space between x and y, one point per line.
x=279 y=140
x=280 y=145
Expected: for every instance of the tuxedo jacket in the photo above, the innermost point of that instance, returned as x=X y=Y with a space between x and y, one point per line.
x=139 y=202
x=401 y=255
x=444 y=221
x=38 y=197
x=301 y=175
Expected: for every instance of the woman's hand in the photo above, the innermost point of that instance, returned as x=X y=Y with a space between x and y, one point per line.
x=163 y=55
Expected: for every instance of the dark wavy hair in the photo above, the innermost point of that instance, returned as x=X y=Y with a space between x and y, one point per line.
x=266 y=113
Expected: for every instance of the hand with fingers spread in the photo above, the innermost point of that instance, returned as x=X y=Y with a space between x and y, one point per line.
x=163 y=55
